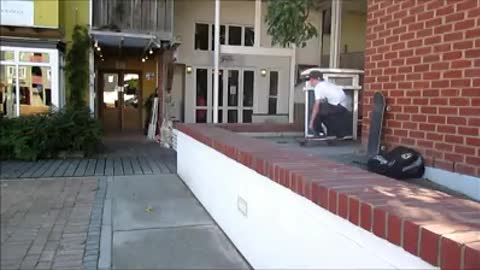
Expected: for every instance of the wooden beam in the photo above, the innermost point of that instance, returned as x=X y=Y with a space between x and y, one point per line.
x=226 y=49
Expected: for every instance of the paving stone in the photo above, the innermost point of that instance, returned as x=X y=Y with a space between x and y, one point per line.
x=46 y=226
x=91 y=242
x=92 y=246
x=52 y=245
x=43 y=265
x=91 y=253
x=10 y=264
x=36 y=249
x=47 y=256
x=13 y=252
x=69 y=252
x=73 y=262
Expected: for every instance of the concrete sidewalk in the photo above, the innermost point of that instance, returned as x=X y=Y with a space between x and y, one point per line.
x=154 y=222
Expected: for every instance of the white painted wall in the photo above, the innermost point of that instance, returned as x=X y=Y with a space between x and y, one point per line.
x=465 y=184
x=281 y=230
x=177 y=92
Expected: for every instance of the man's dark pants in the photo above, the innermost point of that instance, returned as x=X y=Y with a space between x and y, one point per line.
x=336 y=118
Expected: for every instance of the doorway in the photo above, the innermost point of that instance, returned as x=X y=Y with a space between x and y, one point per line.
x=121 y=101
x=235 y=95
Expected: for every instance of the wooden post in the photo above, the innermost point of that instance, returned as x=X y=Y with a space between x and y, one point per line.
x=160 y=88
x=164 y=59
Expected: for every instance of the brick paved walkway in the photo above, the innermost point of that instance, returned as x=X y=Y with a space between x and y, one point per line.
x=44 y=223
x=118 y=166
x=119 y=157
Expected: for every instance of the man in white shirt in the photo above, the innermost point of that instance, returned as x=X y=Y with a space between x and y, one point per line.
x=329 y=108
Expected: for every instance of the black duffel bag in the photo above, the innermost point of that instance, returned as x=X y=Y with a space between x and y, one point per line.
x=400 y=163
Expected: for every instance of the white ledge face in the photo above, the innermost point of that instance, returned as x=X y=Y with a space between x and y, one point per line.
x=275 y=228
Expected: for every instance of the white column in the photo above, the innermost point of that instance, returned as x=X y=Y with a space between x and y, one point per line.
x=291 y=96
x=336 y=33
x=55 y=79
x=90 y=13
x=258 y=22
x=216 y=61
x=91 y=83
x=17 y=83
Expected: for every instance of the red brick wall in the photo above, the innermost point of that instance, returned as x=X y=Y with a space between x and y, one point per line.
x=424 y=55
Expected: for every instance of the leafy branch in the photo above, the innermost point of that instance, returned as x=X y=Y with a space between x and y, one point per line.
x=287 y=22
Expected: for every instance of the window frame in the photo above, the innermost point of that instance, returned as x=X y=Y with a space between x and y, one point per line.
x=53 y=64
x=227 y=35
x=276 y=96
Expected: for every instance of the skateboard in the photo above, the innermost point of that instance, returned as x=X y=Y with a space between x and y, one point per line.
x=329 y=140
x=376 y=125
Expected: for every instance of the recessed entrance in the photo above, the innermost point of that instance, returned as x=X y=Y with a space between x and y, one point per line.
x=235 y=95
x=121 y=101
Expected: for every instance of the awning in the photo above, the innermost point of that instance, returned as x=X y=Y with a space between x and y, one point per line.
x=32 y=43
x=124 y=40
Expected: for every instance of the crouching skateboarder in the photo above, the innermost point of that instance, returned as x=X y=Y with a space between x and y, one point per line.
x=330 y=109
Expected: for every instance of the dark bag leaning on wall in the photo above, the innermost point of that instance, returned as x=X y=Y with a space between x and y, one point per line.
x=400 y=163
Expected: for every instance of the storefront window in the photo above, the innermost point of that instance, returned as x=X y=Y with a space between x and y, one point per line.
x=34 y=57
x=30 y=77
x=35 y=90
x=7 y=56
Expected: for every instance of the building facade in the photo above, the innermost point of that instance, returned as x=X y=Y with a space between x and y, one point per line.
x=425 y=57
x=135 y=39
x=171 y=53
x=256 y=83
x=34 y=34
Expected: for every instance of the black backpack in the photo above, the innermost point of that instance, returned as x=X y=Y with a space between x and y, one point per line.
x=400 y=163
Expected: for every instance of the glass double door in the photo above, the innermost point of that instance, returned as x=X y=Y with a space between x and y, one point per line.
x=235 y=95
x=120 y=99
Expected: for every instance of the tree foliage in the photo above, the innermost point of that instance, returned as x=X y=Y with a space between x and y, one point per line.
x=287 y=22
x=77 y=67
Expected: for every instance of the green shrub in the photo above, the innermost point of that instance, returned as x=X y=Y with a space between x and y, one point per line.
x=45 y=135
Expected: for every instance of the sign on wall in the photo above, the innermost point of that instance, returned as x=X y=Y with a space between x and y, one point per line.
x=17 y=12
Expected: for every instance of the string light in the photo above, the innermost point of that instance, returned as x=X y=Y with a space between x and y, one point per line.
x=151 y=51
x=143 y=60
